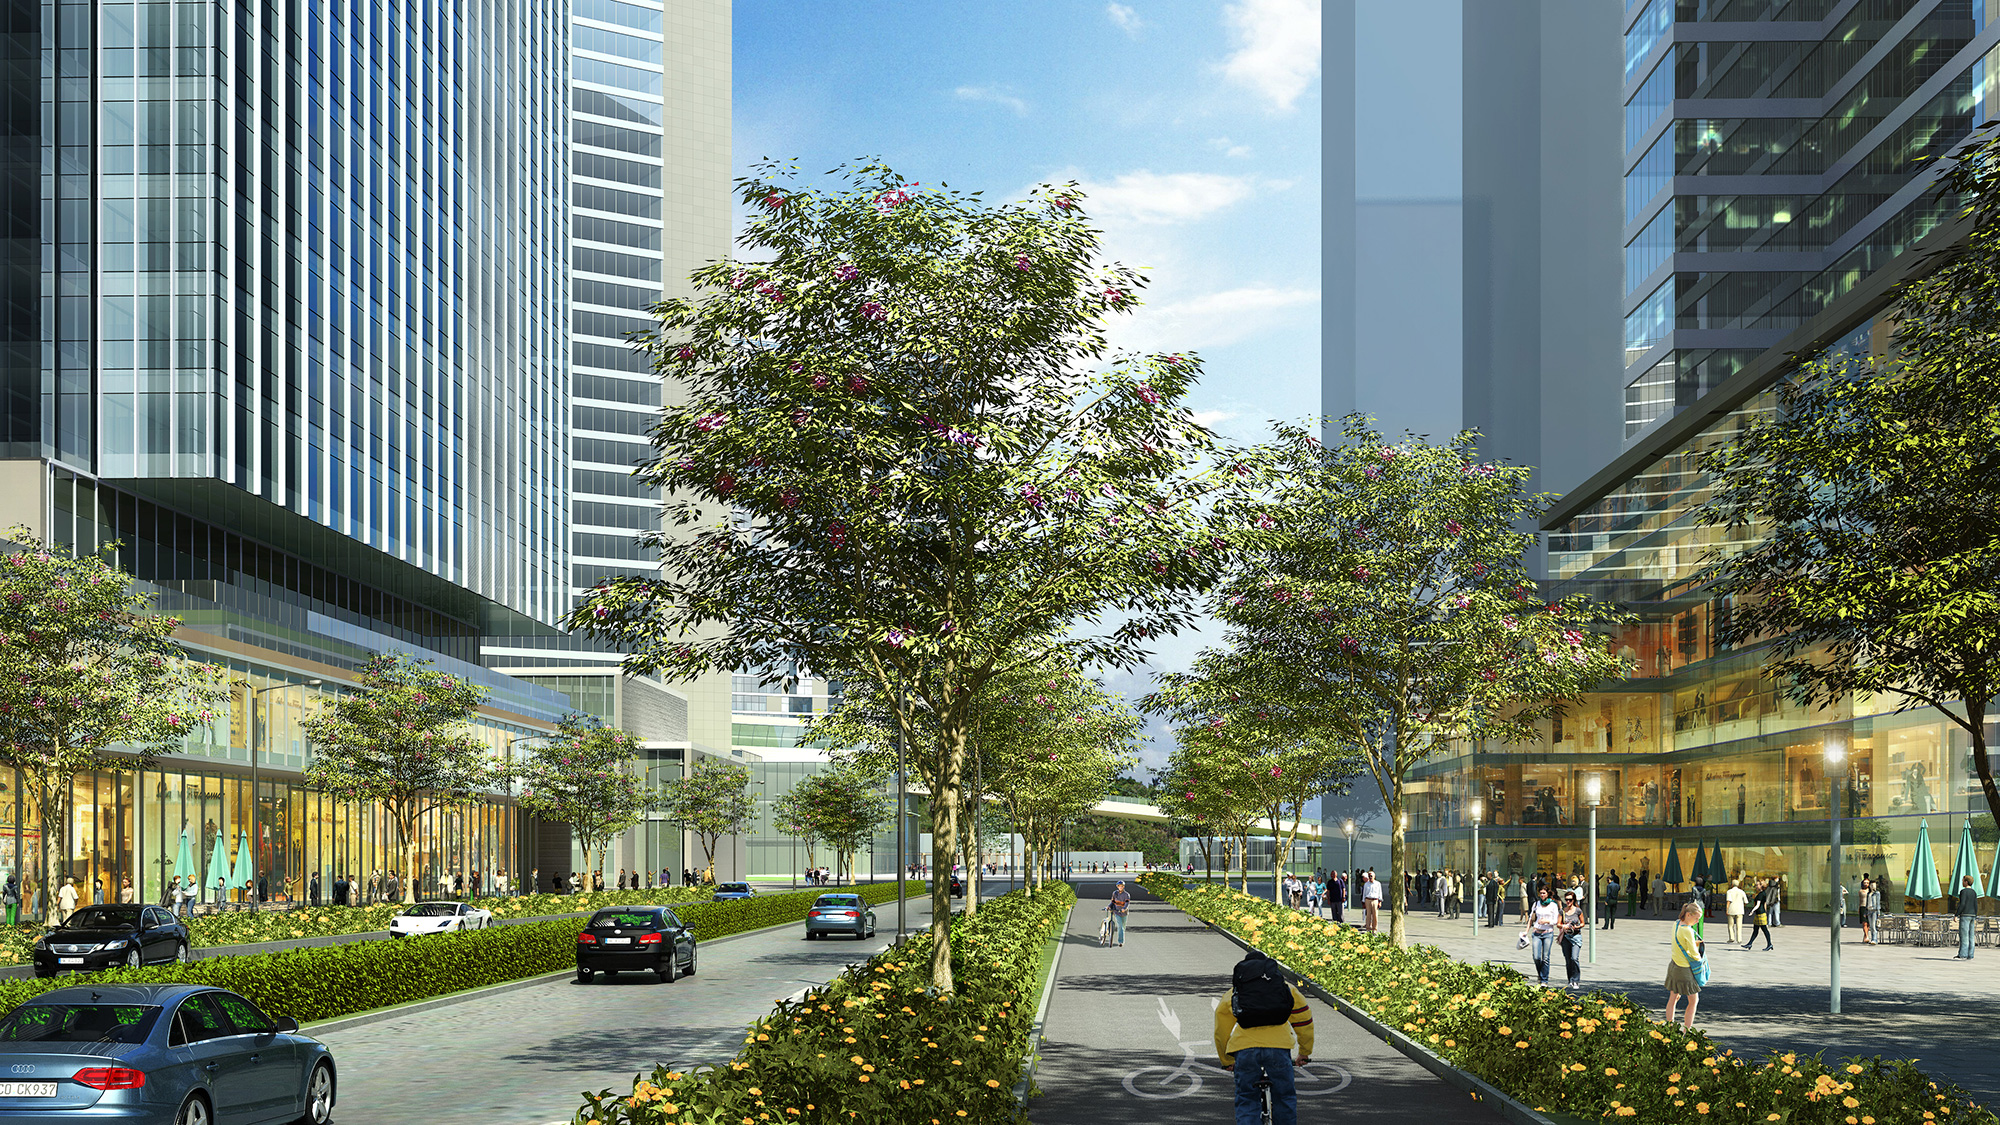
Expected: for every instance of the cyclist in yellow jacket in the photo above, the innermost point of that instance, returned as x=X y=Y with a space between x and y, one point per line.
x=1254 y=1038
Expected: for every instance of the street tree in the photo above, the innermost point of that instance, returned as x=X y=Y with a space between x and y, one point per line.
x=584 y=777
x=406 y=742
x=929 y=457
x=796 y=814
x=1861 y=515
x=712 y=801
x=1210 y=793
x=1382 y=603
x=849 y=811
x=85 y=666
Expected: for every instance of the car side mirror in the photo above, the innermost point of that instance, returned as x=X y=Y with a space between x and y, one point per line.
x=286 y=1023
x=688 y=930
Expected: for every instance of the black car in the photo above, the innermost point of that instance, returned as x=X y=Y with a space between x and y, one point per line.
x=957 y=887
x=634 y=939
x=105 y=937
x=840 y=914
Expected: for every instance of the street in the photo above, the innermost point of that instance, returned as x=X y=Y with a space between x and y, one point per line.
x=525 y=1057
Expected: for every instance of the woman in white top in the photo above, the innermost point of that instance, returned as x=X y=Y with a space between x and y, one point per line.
x=1543 y=919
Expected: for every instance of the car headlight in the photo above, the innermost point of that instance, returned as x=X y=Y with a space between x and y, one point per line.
x=116 y=943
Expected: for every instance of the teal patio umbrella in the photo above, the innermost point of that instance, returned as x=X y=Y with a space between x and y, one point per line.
x=218 y=865
x=1993 y=880
x=1923 y=880
x=184 y=859
x=1673 y=875
x=1718 y=872
x=242 y=874
x=1967 y=862
x=1700 y=872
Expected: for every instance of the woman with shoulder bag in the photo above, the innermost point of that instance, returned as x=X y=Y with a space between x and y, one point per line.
x=1687 y=972
x=1571 y=929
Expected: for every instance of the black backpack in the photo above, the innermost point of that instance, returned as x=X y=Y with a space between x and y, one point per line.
x=1259 y=997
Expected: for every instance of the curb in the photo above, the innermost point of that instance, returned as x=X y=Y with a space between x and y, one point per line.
x=1026 y=1085
x=1501 y=1102
x=377 y=1015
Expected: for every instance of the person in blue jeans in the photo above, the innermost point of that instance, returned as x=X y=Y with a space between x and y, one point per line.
x=1968 y=909
x=1121 y=903
x=1543 y=920
x=1264 y=1050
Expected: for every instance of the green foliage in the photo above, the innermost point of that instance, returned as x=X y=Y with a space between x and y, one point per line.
x=86 y=664
x=1383 y=605
x=904 y=449
x=878 y=1044
x=1116 y=834
x=1592 y=1056
x=328 y=981
x=713 y=801
x=584 y=778
x=842 y=808
x=404 y=742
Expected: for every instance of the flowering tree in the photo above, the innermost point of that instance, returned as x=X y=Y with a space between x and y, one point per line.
x=85 y=666
x=933 y=469
x=584 y=778
x=406 y=742
x=1383 y=605
x=796 y=814
x=713 y=801
x=848 y=810
x=1210 y=792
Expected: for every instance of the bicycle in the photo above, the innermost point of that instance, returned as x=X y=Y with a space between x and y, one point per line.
x=1161 y=1082
x=1263 y=1088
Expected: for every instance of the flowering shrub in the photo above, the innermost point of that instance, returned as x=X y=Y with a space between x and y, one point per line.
x=1598 y=1055
x=877 y=1045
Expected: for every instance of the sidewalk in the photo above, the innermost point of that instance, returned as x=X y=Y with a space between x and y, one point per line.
x=1898 y=1001
x=1130 y=1035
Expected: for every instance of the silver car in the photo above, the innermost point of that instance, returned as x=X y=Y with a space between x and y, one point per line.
x=840 y=914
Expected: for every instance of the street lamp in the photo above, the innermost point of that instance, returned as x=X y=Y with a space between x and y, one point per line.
x=1353 y=887
x=1594 y=789
x=1478 y=876
x=256 y=737
x=1836 y=758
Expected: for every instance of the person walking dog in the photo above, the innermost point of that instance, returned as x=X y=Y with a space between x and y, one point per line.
x=1121 y=903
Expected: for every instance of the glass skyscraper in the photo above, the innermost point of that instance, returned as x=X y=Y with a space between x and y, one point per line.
x=1776 y=153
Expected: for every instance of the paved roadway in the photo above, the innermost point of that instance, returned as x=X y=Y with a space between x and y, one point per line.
x=1130 y=1035
x=525 y=1057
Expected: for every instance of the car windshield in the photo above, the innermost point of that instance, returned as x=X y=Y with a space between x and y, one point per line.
x=838 y=900
x=432 y=910
x=625 y=920
x=78 y=1023
x=732 y=888
x=104 y=918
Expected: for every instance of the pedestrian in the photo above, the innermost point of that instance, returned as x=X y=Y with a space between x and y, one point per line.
x=10 y=896
x=1968 y=908
x=1777 y=901
x=1371 y=901
x=1760 y=915
x=1543 y=924
x=1734 y=900
x=1336 y=896
x=1256 y=1026
x=1659 y=894
x=1451 y=894
x=167 y=894
x=263 y=888
x=1572 y=926
x=1315 y=893
x=1119 y=906
x=312 y=889
x=1873 y=908
x=1688 y=970
x=1525 y=895
x=66 y=901
x=1631 y=895
x=126 y=892
x=96 y=890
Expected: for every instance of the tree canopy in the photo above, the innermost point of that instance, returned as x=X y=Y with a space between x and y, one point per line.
x=583 y=777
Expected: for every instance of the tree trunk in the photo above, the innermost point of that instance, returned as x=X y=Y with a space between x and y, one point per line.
x=409 y=865
x=1395 y=889
x=1982 y=762
x=946 y=798
x=53 y=810
x=969 y=848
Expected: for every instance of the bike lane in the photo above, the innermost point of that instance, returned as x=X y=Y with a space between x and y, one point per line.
x=1130 y=1035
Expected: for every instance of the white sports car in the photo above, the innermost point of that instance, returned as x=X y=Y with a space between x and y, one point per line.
x=439 y=918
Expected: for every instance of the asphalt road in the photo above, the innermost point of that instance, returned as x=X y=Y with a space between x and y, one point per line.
x=525 y=1057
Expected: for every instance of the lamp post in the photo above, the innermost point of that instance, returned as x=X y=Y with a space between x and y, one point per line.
x=1353 y=891
x=1594 y=789
x=1836 y=758
x=1478 y=877
x=256 y=738
x=902 y=802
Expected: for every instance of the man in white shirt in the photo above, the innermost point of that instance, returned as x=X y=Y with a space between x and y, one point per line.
x=1371 y=901
x=1733 y=903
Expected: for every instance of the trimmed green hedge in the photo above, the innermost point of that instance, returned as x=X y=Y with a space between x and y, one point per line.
x=328 y=981
x=877 y=1045
x=1594 y=1055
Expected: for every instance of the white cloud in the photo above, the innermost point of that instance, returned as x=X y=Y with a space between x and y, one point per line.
x=1213 y=418
x=1127 y=20
x=1229 y=148
x=1213 y=320
x=991 y=95
x=1277 y=47
x=1153 y=199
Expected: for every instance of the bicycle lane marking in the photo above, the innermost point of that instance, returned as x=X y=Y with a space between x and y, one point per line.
x=1315 y=1079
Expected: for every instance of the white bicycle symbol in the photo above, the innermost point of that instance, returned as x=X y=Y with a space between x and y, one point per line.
x=1163 y=1083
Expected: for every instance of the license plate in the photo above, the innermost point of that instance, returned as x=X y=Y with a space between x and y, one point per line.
x=69 y=960
x=27 y=1089
x=618 y=941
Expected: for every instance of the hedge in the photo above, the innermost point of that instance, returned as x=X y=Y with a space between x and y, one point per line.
x=328 y=981
x=877 y=1045
x=1594 y=1055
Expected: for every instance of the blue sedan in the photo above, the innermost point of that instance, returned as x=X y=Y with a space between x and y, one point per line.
x=158 y=1054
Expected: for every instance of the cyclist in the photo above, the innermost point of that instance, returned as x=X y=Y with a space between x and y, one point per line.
x=1255 y=1026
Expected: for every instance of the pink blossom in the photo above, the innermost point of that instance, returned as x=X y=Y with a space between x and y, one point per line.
x=738 y=279
x=1510 y=624
x=1265 y=523
x=1488 y=674
x=857 y=383
x=685 y=353
x=1372 y=473
x=1362 y=573
x=892 y=199
x=873 y=310
x=1064 y=202
x=1148 y=394
x=821 y=382
x=1276 y=770
x=725 y=484
x=1479 y=570
x=1021 y=262
x=788 y=498
x=896 y=638
x=845 y=271
x=1452 y=527
x=774 y=201
x=709 y=423
x=836 y=534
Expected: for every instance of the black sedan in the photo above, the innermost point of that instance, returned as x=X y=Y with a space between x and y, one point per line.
x=107 y=937
x=159 y=1054
x=840 y=914
x=634 y=939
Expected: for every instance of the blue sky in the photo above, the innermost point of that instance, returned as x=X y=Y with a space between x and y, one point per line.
x=1194 y=126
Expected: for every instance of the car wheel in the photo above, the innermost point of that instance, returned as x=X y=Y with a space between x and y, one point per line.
x=810 y=935
x=132 y=959
x=583 y=976
x=670 y=968
x=194 y=1111
x=182 y=954
x=689 y=971
x=319 y=1096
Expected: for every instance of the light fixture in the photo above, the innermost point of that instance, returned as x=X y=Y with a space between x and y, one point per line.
x=1473 y=808
x=1594 y=789
x=1348 y=828
x=1836 y=750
